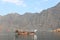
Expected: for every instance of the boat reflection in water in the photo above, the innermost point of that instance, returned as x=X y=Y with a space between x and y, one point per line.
x=28 y=37
x=35 y=37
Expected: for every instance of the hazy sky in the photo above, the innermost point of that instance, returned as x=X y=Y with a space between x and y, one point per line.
x=22 y=6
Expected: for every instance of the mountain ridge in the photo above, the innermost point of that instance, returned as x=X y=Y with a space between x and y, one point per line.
x=48 y=19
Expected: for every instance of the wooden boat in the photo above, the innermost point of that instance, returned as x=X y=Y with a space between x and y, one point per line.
x=18 y=32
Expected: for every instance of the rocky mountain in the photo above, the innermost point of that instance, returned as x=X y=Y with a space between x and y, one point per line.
x=48 y=19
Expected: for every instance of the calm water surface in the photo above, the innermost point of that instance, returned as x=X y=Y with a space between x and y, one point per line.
x=37 y=36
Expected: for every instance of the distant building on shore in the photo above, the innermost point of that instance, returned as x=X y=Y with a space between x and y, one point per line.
x=56 y=30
